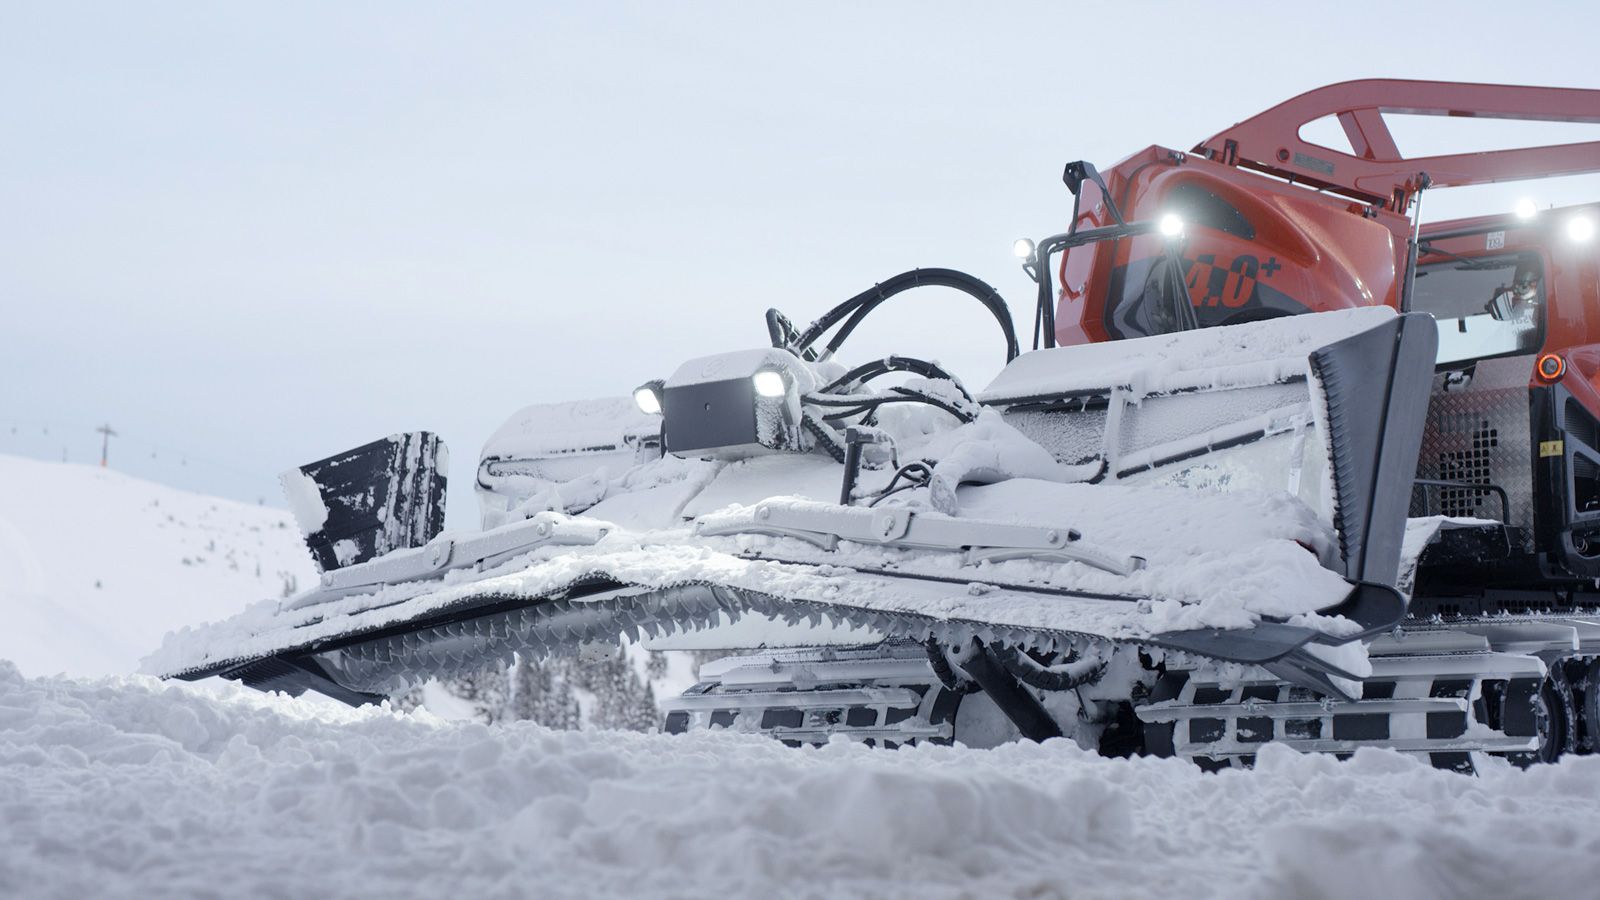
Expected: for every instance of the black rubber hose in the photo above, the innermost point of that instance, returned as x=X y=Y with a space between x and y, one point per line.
x=1038 y=676
x=870 y=370
x=782 y=332
x=824 y=436
x=778 y=328
x=864 y=406
x=1032 y=719
x=857 y=308
x=913 y=481
x=947 y=675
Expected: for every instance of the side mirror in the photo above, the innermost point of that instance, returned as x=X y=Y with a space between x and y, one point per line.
x=1500 y=305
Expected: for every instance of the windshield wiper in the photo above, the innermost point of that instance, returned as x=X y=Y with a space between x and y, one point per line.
x=1469 y=264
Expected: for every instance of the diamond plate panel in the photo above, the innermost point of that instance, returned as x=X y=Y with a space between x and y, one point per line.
x=1478 y=431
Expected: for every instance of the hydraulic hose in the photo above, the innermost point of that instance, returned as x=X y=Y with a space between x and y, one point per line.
x=855 y=310
x=1033 y=674
x=870 y=370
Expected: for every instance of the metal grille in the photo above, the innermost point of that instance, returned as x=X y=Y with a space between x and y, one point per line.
x=1478 y=432
x=1473 y=465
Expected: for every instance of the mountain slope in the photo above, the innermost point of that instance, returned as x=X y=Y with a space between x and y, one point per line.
x=95 y=566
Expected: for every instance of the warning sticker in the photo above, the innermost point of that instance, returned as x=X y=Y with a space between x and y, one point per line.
x=1551 y=448
x=1314 y=163
x=1495 y=241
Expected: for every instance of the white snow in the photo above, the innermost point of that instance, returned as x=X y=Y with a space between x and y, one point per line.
x=1253 y=353
x=743 y=364
x=132 y=788
x=305 y=501
x=557 y=429
x=345 y=550
x=1214 y=560
x=95 y=566
x=987 y=450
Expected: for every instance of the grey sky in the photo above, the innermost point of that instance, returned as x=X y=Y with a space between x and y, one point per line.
x=253 y=235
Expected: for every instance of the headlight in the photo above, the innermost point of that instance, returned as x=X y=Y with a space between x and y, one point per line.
x=769 y=384
x=1526 y=209
x=1170 y=225
x=1580 y=228
x=1022 y=249
x=736 y=405
x=648 y=397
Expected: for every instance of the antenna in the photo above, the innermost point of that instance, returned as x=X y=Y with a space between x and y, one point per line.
x=105 y=442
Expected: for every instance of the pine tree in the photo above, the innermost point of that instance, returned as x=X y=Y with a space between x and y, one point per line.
x=549 y=700
x=646 y=716
x=530 y=684
x=584 y=677
x=496 y=694
x=547 y=690
x=572 y=718
x=486 y=689
x=560 y=708
x=623 y=700
x=603 y=679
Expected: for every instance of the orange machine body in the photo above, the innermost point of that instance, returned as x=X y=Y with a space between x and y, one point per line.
x=1275 y=225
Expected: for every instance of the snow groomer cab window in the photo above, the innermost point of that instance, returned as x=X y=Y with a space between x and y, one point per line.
x=1485 y=306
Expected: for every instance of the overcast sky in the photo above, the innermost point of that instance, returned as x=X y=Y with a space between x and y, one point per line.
x=252 y=235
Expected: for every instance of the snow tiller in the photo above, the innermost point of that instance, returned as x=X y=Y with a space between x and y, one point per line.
x=1282 y=465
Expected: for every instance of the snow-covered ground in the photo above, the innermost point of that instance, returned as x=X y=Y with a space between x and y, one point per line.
x=132 y=788
x=96 y=566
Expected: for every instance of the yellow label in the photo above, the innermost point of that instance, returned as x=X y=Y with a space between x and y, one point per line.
x=1551 y=448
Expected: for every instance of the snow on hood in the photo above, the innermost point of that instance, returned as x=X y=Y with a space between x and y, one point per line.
x=1252 y=353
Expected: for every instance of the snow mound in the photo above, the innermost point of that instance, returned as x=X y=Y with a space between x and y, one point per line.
x=130 y=787
x=95 y=566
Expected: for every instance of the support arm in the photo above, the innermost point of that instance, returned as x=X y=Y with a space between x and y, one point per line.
x=1377 y=172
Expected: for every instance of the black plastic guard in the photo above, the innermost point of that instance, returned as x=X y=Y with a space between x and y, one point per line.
x=1377 y=608
x=294 y=675
x=1261 y=644
x=1281 y=649
x=382 y=496
x=1377 y=386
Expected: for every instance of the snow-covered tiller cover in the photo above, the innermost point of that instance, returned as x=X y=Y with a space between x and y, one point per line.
x=1237 y=493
